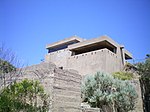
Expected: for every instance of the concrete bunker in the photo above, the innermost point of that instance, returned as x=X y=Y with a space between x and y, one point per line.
x=73 y=53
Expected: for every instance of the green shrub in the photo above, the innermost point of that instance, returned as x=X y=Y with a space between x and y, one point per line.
x=6 y=67
x=103 y=90
x=123 y=75
x=25 y=96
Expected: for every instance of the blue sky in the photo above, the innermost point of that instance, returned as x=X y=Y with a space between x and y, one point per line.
x=26 y=26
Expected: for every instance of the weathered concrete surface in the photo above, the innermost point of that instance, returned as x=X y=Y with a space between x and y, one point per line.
x=101 y=60
x=91 y=110
x=139 y=102
x=66 y=91
x=43 y=72
x=58 y=57
x=64 y=41
x=63 y=86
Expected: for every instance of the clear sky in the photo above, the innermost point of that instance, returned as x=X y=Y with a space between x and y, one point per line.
x=26 y=26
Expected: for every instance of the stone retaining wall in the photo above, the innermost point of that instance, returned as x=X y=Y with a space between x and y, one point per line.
x=66 y=91
x=139 y=102
x=63 y=86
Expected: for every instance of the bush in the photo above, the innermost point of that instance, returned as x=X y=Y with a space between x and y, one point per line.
x=25 y=96
x=123 y=75
x=103 y=90
x=6 y=67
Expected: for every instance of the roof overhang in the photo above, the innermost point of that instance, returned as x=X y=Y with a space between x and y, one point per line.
x=66 y=41
x=92 y=42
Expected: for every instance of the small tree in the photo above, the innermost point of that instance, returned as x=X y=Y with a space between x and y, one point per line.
x=8 y=66
x=103 y=90
x=25 y=96
x=5 y=68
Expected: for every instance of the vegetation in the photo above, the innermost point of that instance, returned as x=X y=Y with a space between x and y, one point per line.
x=6 y=55
x=6 y=67
x=123 y=75
x=7 y=62
x=129 y=67
x=103 y=90
x=25 y=96
x=144 y=71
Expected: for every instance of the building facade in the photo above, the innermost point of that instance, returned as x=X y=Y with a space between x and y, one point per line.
x=88 y=56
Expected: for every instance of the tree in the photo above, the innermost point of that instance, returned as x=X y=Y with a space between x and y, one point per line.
x=7 y=55
x=24 y=96
x=144 y=71
x=8 y=66
x=5 y=68
x=103 y=90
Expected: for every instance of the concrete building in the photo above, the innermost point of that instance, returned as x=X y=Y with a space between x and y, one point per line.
x=88 y=56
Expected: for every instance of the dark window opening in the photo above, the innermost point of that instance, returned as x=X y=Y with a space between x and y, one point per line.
x=61 y=67
x=127 y=57
x=94 y=47
x=60 y=47
x=57 y=48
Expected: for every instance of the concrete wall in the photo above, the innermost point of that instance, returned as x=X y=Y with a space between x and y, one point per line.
x=139 y=102
x=63 y=86
x=59 y=58
x=113 y=61
x=66 y=92
x=91 y=62
x=91 y=110
x=86 y=63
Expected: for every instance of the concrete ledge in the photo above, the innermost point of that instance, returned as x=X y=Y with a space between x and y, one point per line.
x=65 y=41
x=93 y=41
x=90 y=110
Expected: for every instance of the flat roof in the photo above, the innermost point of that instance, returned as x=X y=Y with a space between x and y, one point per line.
x=77 y=43
x=93 y=41
x=64 y=42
